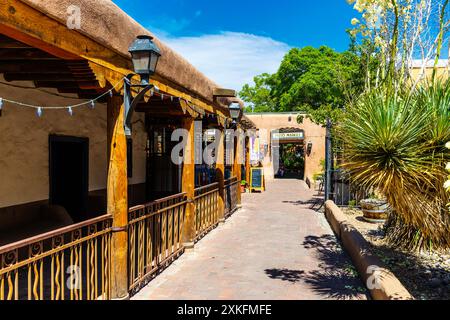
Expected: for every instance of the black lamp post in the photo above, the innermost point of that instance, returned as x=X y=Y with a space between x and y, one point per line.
x=145 y=55
x=235 y=112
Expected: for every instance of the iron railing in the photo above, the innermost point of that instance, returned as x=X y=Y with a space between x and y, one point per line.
x=230 y=197
x=154 y=237
x=71 y=263
x=206 y=209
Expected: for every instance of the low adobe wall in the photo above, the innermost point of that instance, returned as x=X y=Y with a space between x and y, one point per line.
x=385 y=285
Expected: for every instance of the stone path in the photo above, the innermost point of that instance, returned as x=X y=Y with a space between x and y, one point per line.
x=274 y=248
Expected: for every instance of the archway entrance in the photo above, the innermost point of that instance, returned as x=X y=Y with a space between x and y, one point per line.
x=291 y=150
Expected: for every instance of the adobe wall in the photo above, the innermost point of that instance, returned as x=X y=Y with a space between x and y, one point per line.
x=313 y=133
x=24 y=154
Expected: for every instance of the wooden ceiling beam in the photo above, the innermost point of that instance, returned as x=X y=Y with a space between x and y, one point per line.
x=33 y=67
x=224 y=93
x=46 y=77
x=25 y=54
x=8 y=43
x=85 y=85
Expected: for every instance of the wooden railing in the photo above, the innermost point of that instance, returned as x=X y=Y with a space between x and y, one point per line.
x=230 y=198
x=206 y=209
x=71 y=263
x=154 y=237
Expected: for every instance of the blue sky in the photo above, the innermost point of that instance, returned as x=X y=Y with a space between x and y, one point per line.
x=232 y=41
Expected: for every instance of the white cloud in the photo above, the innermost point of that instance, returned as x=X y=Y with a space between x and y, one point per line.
x=230 y=59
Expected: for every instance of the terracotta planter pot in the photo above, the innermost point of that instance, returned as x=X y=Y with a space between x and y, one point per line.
x=242 y=189
x=375 y=211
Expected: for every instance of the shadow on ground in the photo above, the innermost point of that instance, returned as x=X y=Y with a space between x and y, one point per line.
x=314 y=203
x=336 y=278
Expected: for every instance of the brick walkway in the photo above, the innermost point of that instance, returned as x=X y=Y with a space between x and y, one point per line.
x=275 y=247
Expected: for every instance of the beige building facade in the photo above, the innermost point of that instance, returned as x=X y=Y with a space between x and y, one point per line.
x=314 y=137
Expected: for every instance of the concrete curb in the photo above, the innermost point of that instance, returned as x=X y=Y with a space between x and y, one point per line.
x=381 y=282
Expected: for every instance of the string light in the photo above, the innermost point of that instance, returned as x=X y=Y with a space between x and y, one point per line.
x=91 y=103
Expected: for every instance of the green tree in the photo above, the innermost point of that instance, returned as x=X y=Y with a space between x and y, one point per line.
x=259 y=95
x=318 y=81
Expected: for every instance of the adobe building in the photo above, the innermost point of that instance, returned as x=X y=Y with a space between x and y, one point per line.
x=75 y=188
x=285 y=128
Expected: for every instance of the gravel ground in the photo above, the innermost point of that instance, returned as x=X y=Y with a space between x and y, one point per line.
x=425 y=275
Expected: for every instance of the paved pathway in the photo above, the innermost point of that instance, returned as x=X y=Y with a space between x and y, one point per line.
x=275 y=247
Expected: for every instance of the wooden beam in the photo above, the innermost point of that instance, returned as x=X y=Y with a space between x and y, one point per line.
x=237 y=166
x=224 y=93
x=220 y=174
x=34 y=28
x=247 y=160
x=188 y=184
x=118 y=196
x=86 y=85
x=43 y=77
x=8 y=43
x=43 y=66
x=25 y=54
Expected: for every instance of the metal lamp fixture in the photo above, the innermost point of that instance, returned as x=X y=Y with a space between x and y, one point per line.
x=309 y=148
x=235 y=111
x=145 y=55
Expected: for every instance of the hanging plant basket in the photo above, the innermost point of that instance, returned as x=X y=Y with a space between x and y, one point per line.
x=375 y=210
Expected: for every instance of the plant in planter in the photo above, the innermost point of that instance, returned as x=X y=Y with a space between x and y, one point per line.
x=243 y=186
x=375 y=210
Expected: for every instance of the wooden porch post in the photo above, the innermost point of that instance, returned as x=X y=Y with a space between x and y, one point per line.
x=238 y=165
x=247 y=160
x=220 y=173
x=188 y=184
x=118 y=197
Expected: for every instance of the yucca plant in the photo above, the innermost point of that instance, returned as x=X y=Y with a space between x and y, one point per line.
x=395 y=143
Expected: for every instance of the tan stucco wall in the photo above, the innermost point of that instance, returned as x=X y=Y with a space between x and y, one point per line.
x=24 y=172
x=313 y=133
x=442 y=73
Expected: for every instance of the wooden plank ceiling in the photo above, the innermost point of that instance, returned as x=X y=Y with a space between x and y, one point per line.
x=21 y=62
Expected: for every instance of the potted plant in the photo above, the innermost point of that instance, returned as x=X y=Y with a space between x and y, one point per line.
x=243 y=186
x=375 y=209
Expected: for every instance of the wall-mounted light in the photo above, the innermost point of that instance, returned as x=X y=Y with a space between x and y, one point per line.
x=309 y=148
x=235 y=112
x=145 y=55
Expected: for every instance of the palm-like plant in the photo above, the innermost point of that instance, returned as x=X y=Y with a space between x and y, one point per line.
x=395 y=143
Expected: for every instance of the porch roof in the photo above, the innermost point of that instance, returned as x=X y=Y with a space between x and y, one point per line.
x=109 y=31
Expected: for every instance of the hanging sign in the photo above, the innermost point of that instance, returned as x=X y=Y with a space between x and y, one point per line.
x=299 y=135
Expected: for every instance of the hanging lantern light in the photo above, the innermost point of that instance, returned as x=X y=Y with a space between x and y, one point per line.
x=70 y=111
x=145 y=55
x=39 y=112
x=1 y=103
x=92 y=105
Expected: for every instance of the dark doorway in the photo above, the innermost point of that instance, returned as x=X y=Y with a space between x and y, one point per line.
x=163 y=176
x=292 y=161
x=69 y=174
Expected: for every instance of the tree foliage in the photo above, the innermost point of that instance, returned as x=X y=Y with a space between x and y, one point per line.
x=318 y=81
